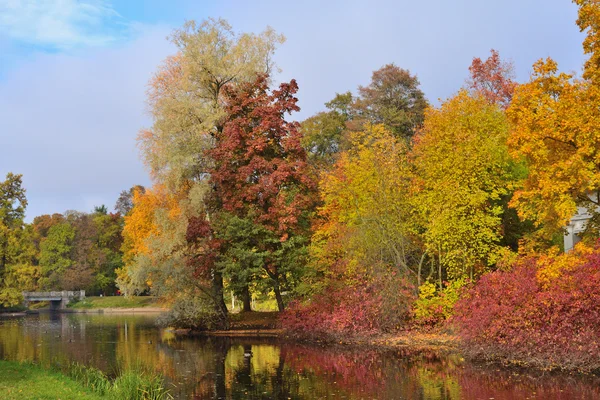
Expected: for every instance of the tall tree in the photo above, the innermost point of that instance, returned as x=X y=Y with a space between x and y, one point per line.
x=462 y=172
x=323 y=133
x=55 y=254
x=556 y=119
x=124 y=203
x=12 y=213
x=393 y=98
x=261 y=173
x=185 y=99
x=493 y=79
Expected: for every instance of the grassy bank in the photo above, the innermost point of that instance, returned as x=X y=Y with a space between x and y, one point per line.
x=30 y=381
x=27 y=381
x=95 y=302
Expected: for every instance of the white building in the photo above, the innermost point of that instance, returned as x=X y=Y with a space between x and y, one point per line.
x=575 y=227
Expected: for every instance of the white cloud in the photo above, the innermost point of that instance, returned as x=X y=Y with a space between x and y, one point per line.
x=61 y=24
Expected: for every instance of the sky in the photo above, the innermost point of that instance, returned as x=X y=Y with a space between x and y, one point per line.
x=73 y=73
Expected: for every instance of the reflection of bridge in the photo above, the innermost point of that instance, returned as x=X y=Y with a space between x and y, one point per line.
x=58 y=300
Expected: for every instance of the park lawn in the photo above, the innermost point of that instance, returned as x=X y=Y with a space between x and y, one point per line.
x=27 y=381
x=92 y=302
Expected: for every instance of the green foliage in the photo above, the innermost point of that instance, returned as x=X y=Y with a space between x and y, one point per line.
x=55 y=253
x=434 y=306
x=192 y=312
x=16 y=246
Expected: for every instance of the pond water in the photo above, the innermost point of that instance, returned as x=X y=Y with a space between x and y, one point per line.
x=211 y=368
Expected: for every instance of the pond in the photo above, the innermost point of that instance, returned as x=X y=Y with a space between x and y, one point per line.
x=246 y=368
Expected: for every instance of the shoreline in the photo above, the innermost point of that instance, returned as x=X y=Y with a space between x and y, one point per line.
x=112 y=310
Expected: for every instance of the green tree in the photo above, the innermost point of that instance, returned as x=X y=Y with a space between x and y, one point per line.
x=393 y=98
x=12 y=212
x=55 y=254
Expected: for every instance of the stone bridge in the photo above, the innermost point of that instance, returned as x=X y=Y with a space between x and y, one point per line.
x=58 y=300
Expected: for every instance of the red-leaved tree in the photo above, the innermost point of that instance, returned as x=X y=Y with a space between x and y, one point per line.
x=492 y=79
x=262 y=194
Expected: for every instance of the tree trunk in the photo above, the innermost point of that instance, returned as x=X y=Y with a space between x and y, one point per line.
x=217 y=289
x=278 y=297
x=246 y=299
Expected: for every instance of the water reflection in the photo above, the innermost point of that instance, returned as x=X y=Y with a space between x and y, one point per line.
x=228 y=368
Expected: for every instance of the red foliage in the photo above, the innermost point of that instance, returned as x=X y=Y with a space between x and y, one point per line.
x=511 y=316
x=260 y=164
x=492 y=79
x=345 y=310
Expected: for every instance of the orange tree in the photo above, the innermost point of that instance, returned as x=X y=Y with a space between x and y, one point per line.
x=556 y=118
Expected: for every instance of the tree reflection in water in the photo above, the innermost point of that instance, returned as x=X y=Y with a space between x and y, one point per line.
x=236 y=368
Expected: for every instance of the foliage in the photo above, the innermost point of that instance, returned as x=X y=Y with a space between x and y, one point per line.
x=462 y=173
x=527 y=315
x=323 y=133
x=124 y=203
x=185 y=95
x=192 y=312
x=365 y=217
x=434 y=307
x=342 y=309
x=260 y=177
x=555 y=119
x=492 y=79
x=140 y=229
x=393 y=98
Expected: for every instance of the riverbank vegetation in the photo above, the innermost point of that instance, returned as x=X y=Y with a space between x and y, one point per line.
x=381 y=214
x=31 y=381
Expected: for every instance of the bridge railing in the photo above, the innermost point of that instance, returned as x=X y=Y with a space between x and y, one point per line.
x=63 y=294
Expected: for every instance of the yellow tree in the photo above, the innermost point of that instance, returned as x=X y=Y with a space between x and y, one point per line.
x=365 y=217
x=556 y=119
x=462 y=170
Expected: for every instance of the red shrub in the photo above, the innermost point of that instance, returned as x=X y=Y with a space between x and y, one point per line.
x=344 y=310
x=511 y=316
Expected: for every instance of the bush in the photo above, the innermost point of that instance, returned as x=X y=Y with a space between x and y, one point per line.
x=435 y=307
x=192 y=313
x=522 y=316
x=346 y=310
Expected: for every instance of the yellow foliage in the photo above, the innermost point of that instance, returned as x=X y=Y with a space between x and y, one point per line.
x=556 y=119
x=365 y=213
x=554 y=262
x=463 y=170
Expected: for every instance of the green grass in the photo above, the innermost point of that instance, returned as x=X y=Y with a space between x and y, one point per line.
x=28 y=381
x=116 y=302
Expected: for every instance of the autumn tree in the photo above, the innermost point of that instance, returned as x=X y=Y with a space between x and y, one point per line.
x=124 y=203
x=17 y=252
x=55 y=254
x=185 y=95
x=260 y=176
x=493 y=79
x=323 y=133
x=462 y=172
x=555 y=117
x=365 y=219
x=12 y=212
x=186 y=102
x=393 y=98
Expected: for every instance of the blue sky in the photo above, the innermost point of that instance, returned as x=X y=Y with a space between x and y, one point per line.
x=73 y=73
